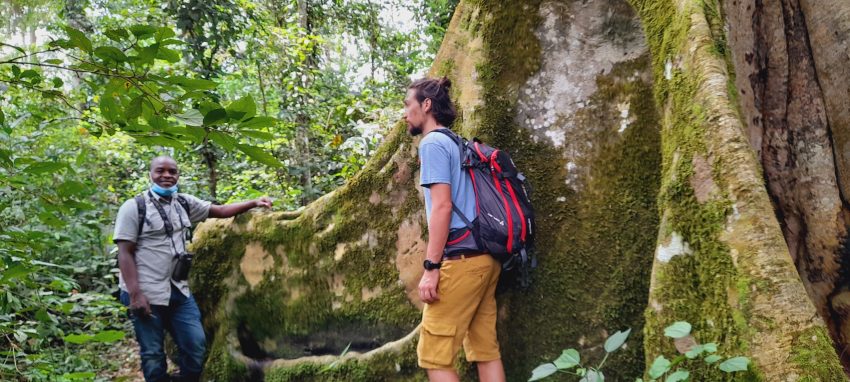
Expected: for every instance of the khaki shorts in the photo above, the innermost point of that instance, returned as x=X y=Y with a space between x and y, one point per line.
x=465 y=314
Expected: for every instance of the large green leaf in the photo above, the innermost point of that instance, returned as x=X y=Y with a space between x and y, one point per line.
x=732 y=365
x=142 y=31
x=258 y=122
x=80 y=376
x=543 y=371
x=568 y=359
x=660 y=366
x=242 y=108
x=191 y=117
x=134 y=108
x=110 y=108
x=215 y=116
x=108 y=336
x=78 y=39
x=110 y=54
x=191 y=83
x=616 y=340
x=678 y=329
x=169 y=55
x=260 y=155
x=16 y=271
x=78 y=339
x=224 y=140
x=163 y=33
x=257 y=134
x=678 y=376
x=44 y=167
x=117 y=34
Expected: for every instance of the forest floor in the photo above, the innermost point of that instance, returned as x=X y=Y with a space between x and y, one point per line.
x=124 y=355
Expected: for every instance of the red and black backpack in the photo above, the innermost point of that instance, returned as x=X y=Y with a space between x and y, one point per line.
x=504 y=226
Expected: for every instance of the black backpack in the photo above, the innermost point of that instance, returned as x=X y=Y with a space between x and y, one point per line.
x=505 y=225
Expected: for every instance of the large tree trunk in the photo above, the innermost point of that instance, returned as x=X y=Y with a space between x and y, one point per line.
x=646 y=159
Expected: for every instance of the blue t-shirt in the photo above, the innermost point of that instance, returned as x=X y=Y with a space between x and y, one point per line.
x=440 y=163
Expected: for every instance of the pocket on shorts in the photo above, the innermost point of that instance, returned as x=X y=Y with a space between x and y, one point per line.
x=436 y=343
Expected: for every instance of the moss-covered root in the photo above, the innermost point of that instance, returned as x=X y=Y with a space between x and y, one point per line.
x=721 y=262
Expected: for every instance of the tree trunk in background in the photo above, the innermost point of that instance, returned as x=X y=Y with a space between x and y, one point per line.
x=647 y=175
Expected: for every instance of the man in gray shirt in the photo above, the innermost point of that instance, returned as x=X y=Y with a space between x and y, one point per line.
x=147 y=257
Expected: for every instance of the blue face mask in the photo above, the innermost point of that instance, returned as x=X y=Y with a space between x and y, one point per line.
x=163 y=191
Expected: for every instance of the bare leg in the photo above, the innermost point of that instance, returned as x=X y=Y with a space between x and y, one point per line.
x=444 y=375
x=491 y=371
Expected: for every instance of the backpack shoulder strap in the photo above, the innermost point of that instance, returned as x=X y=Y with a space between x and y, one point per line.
x=142 y=208
x=460 y=146
x=185 y=204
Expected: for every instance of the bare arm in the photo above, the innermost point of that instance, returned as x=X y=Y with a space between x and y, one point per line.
x=438 y=232
x=127 y=265
x=233 y=209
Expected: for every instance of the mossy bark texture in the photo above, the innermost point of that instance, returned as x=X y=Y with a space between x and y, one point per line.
x=650 y=202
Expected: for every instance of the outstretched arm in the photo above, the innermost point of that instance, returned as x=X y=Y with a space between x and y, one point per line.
x=233 y=209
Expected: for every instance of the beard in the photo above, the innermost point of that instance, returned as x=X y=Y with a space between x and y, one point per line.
x=414 y=130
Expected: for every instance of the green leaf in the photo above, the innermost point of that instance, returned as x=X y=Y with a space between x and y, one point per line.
x=51 y=220
x=242 y=108
x=117 y=34
x=191 y=117
x=78 y=39
x=71 y=187
x=258 y=122
x=260 y=155
x=57 y=82
x=215 y=116
x=142 y=31
x=678 y=329
x=679 y=375
x=712 y=358
x=42 y=315
x=732 y=365
x=169 y=55
x=159 y=140
x=163 y=33
x=192 y=83
x=80 y=375
x=17 y=271
x=257 y=134
x=569 y=358
x=710 y=347
x=2 y=117
x=593 y=376
x=53 y=61
x=134 y=109
x=660 y=366
x=110 y=108
x=224 y=140
x=616 y=340
x=78 y=339
x=44 y=167
x=695 y=351
x=108 y=336
x=543 y=371
x=110 y=54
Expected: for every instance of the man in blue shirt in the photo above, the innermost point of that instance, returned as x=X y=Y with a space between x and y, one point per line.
x=458 y=290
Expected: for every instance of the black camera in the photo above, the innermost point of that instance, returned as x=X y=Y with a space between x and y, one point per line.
x=181 y=269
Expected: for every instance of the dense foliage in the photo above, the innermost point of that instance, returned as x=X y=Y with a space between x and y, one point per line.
x=285 y=98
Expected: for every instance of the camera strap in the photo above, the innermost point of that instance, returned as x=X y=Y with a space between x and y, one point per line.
x=169 y=229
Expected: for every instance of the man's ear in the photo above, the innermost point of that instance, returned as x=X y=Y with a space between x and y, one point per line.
x=426 y=105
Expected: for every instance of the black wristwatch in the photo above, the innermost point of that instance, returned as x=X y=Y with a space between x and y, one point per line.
x=431 y=266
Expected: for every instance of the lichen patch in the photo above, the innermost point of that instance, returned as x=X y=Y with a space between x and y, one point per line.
x=675 y=246
x=255 y=263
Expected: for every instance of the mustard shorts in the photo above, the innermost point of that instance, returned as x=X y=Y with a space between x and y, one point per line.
x=465 y=314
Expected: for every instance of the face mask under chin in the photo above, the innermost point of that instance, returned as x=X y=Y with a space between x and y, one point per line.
x=162 y=191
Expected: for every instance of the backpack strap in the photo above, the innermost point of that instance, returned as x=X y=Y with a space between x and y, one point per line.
x=460 y=147
x=185 y=204
x=141 y=206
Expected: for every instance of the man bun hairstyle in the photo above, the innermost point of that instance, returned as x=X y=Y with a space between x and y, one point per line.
x=437 y=90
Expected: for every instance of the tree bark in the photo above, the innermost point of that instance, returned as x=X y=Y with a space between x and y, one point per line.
x=632 y=126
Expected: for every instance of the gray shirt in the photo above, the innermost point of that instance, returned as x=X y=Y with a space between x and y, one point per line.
x=155 y=253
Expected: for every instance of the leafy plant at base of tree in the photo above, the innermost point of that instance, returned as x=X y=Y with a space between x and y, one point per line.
x=661 y=369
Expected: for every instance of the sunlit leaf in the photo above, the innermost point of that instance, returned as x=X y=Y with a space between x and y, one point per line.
x=660 y=366
x=44 y=167
x=678 y=376
x=108 y=336
x=16 y=271
x=192 y=83
x=169 y=55
x=257 y=134
x=78 y=339
x=163 y=33
x=191 y=117
x=117 y=34
x=569 y=358
x=110 y=108
x=142 y=31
